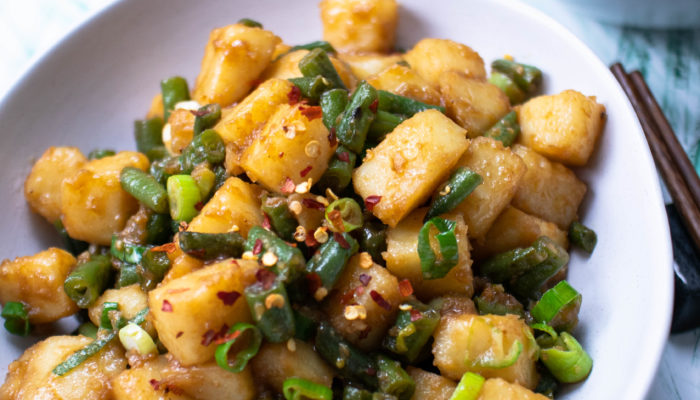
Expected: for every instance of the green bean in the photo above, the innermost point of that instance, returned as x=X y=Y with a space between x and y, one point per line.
x=384 y=122
x=320 y=44
x=72 y=245
x=174 y=90
x=206 y=117
x=290 y=261
x=330 y=259
x=158 y=229
x=506 y=130
x=502 y=267
x=494 y=300
x=221 y=176
x=350 y=361
x=353 y=393
x=527 y=77
x=250 y=23
x=315 y=63
x=507 y=86
x=582 y=236
x=128 y=275
x=405 y=106
x=372 y=239
x=411 y=331
x=529 y=285
x=100 y=153
x=88 y=329
x=450 y=194
x=149 y=135
x=242 y=356
x=271 y=310
x=155 y=264
x=210 y=246
x=357 y=117
x=547 y=385
x=126 y=251
x=88 y=280
x=164 y=168
x=283 y=222
x=16 y=318
x=393 y=379
x=333 y=102
x=312 y=87
x=304 y=326
x=339 y=172
x=206 y=147
x=145 y=189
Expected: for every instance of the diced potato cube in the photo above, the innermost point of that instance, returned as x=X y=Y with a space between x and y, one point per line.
x=234 y=58
x=181 y=264
x=463 y=341
x=430 y=386
x=405 y=81
x=131 y=299
x=406 y=167
x=563 y=127
x=187 y=310
x=240 y=124
x=144 y=383
x=93 y=203
x=454 y=304
x=365 y=65
x=235 y=205
x=498 y=389
x=431 y=57
x=42 y=189
x=501 y=171
x=474 y=104
x=209 y=382
x=156 y=107
x=403 y=261
x=275 y=362
x=37 y=281
x=293 y=145
x=513 y=229
x=287 y=67
x=280 y=49
x=179 y=131
x=367 y=333
x=31 y=376
x=548 y=189
x=360 y=25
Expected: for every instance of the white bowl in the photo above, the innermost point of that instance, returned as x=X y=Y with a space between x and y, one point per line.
x=666 y=14
x=87 y=91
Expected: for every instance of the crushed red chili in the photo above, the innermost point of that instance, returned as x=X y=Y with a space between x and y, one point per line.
x=288 y=186
x=380 y=300
x=374 y=105
x=228 y=298
x=405 y=287
x=415 y=315
x=313 y=281
x=341 y=240
x=168 y=248
x=372 y=201
x=332 y=138
x=266 y=221
x=265 y=277
x=257 y=247
x=344 y=156
x=305 y=171
x=294 y=95
x=167 y=307
x=311 y=203
x=312 y=112
x=365 y=279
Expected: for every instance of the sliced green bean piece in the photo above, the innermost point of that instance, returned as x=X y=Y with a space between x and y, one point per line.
x=494 y=300
x=351 y=362
x=250 y=23
x=221 y=176
x=506 y=130
x=88 y=329
x=402 y=105
x=372 y=239
x=508 y=86
x=312 y=87
x=290 y=261
x=206 y=147
x=16 y=318
x=461 y=183
x=158 y=229
x=174 y=90
x=210 y=246
x=149 y=135
x=333 y=102
x=128 y=275
x=145 y=189
x=271 y=310
x=283 y=222
x=320 y=44
x=100 y=153
x=126 y=251
x=393 y=379
x=88 y=280
x=300 y=389
x=206 y=117
x=243 y=356
x=527 y=77
x=164 y=168
x=339 y=172
x=582 y=236
x=74 y=246
x=383 y=124
x=529 y=285
x=155 y=264
x=330 y=259
x=357 y=117
x=505 y=266
x=412 y=331
x=353 y=393
x=315 y=63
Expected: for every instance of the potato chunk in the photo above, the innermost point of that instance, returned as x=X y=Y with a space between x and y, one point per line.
x=563 y=127
x=275 y=362
x=368 y=64
x=501 y=171
x=235 y=204
x=234 y=58
x=405 y=81
x=548 y=189
x=366 y=333
x=30 y=376
x=179 y=131
x=431 y=57
x=513 y=229
x=360 y=25
x=37 y=281
x=188 y=310
x=93 y=204
x=155 y=109
x=293 y=145
x=209 y=382
x=430 y=386
x=406 y=167
x=131 y=300
x=463 y=341
x=239 y=124
x=403 y=261
x=42 y=189
x=145 y=383
x=287 y=67
x=474 y=104
x=498 y=389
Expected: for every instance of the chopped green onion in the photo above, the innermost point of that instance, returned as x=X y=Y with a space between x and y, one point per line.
x=127 y=252
x=250 y=23
x=509 y=359
x=243 y=356
x=461 y=183
x=206 y=117
x=558 y=307
x=353 y=393
x=16 y=318
x=344 y=215
x=433 y=265
x=184 y=196
x=105 y=320
x=469 y=387
x=133 y=337
x=567 y=360
x=547 y=340
x=393 y=379
x=88 y=329
x=298 y=389
x=88 y=280
x=583 y=236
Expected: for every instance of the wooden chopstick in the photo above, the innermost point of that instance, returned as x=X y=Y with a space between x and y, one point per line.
x=665 y=156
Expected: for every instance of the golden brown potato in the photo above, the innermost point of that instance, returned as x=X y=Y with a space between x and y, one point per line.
x=367 y=333
x=293 y=145
x=407 y=166
x=431 y=57
x=234 y=58
x=430 y=386
x=30 y=376
x=156 y=107
x=454 y=304
x=275 y=362
x=287 y=67
x=513 y=229
x=474 y=104
x=188 y=310
x=498 y=389
x=93 y=204
x=548 y=190
x=42 y=189
x=359 y=25
x=37 y=281
x=405 y=81
x=181 y=263
x=240 y=124
x=131 y=300
x=179 y=131
x=464 y=342
x=280 y=49
x=501 y=171
x=403 y=261
x=209 y=382
x=236 y=205
x=367 y=64
x=563 y=127
x=145 y=383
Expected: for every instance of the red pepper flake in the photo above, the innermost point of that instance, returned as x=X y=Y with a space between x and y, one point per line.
x=360 y=290
x=348 y=296
x=310 y=241
x=364 y=278
x=372 y=201
x=265 y=277
x=344 y=156
x=177 y=290
x=257 y=247
x=311 y=203
x=234 y=262
x=197 y=253
x=179 y=334
x=332 y=138
x=305 y=171
x=374 y=105
x=228 y=297
x=314 y=282
x=208 y=337
x=168 y=248
x=155 y=383
x=167 y=307
x=341 y=240
x=405 y=287
x=380 y=300
x=337 y=220
x=227 y=337
x=281 y=154
x=415 y=315
x=198 y=206
x=371 y=371
x=288 y=186
x=312 y=112
x=255 y=83
x=294 y=95
x=266 y=221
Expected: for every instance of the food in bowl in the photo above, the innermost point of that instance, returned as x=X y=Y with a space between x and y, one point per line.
x=309 y=221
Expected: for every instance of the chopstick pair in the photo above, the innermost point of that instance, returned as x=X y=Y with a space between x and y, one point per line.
x=676 y=169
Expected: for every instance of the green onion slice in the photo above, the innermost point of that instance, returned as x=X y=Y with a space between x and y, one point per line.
x=298 y=389
x=561 y=299
x=184 y=196
x=105 y=321
x=133 y=337
x=16 y=318
x=126 y=252
x=567 y=360
x=434 y=265
x=243 y=356
x=344 y=215
x=469 y=387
